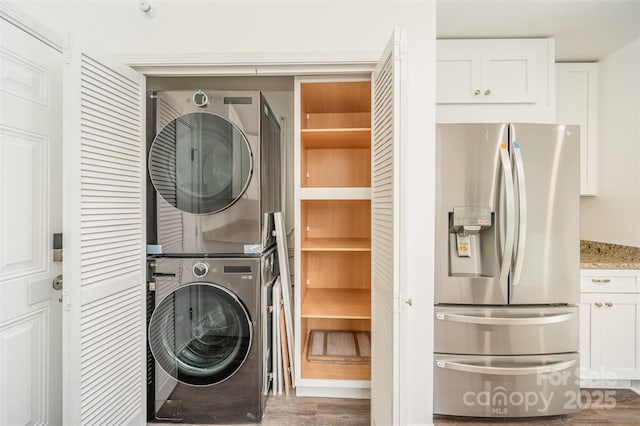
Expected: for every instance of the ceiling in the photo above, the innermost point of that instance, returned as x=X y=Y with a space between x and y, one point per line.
x=584 y=30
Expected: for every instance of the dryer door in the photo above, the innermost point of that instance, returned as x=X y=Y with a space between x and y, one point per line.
x=200 y=334
x=200 y=163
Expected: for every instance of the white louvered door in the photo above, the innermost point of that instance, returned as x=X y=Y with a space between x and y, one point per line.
x=103 y=297
x=385 y=231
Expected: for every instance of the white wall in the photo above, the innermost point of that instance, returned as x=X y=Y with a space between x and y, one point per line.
x=613 y=216
x=303 y=29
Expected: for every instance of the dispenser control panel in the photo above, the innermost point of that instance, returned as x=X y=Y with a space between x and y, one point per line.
x=471 y=216
x=468 y=220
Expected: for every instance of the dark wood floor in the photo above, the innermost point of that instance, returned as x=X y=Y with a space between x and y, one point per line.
x=304 y=411
x=625 y=411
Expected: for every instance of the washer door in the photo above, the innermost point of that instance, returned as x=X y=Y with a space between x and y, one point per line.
x=200 y=163
x=200 y=334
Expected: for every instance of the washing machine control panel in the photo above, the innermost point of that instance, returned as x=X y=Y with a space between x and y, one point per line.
x=200 y=269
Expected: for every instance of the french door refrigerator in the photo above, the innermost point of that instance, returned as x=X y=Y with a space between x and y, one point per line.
x=507 y=270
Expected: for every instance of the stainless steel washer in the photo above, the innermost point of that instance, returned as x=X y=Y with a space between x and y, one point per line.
x=210 y=355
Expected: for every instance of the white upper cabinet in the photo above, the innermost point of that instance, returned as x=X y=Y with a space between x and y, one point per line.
x=577 y=97
x=495 y=80
x=480 y=73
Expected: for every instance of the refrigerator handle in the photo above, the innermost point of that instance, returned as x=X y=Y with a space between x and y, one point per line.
x=522 y=209
x=472 y=319
x=506 y=371
x=507 y=253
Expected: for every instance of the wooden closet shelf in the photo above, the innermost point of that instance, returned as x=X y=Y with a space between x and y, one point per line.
x=336 y=244
x=336 y=120
x=336 y=303
x=345 y=130
x=357 y=138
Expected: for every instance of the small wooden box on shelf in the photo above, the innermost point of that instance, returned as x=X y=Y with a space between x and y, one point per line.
x=335 y=231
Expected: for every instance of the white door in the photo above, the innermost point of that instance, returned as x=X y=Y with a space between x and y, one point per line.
x=385 y=232
x=104 y=321
x=30 y=212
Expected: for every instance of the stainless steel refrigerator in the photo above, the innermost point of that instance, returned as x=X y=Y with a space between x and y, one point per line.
x=507 y=270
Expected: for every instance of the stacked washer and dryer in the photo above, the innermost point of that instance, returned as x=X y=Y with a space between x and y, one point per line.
x=214 y=185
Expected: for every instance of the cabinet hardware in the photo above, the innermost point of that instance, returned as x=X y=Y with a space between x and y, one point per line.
x=598 y=305
x=409 y=302
x=477 y=92
x=608 y=304
x=600 y=280
x=487 y=92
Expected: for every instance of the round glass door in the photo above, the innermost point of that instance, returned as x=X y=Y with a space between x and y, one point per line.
x=200 y=334
x=200 y=163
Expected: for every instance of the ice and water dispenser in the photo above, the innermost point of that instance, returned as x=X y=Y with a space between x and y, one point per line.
x=472 y=242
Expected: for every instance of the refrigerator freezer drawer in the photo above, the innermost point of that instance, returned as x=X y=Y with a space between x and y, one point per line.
x=506 y=386
x=506 y=330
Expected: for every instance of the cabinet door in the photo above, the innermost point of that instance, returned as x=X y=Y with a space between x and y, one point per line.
x=458 y=74
x=577 y=103
x=614 y=336
x=509 y=77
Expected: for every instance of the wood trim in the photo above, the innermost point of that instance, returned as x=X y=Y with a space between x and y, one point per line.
x=253 y=63
x=14 y=15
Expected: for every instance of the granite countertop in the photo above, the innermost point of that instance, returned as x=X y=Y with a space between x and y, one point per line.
x=596 y=255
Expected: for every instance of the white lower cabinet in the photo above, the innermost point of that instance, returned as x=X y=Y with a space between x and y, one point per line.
x=610 y=327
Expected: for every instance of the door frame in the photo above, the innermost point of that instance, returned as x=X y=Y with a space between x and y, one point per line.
x=255 y=65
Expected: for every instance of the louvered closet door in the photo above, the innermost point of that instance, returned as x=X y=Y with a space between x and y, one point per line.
x=385 y=274
x=103 y=305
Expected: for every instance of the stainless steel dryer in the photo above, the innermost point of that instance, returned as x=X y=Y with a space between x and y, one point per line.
x=208 y=337
x=214 y=168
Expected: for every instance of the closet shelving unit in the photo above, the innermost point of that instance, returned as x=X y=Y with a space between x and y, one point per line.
x=333 y=226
